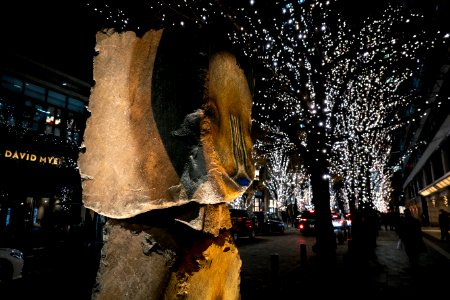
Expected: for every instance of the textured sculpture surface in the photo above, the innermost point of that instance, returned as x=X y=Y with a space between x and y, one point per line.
x=169 y=125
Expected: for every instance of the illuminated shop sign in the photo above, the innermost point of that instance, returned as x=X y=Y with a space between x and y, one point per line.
x=43 y=159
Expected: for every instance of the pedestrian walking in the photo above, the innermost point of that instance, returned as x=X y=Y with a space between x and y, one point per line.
x=410 y=232
x=444 y=221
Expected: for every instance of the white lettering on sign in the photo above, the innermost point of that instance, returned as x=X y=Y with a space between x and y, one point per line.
x=32 y=157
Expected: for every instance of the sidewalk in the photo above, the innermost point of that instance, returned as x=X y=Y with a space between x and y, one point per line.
x=390 y=275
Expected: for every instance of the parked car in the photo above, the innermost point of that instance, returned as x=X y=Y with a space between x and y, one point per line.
x=11 y=264
x=244 y=223
x=269 y=223
x=305 y=222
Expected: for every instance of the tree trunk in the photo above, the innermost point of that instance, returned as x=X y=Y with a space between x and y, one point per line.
x=325 y=246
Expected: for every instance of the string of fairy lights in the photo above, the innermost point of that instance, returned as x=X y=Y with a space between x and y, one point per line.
x=372 y=97
x=318 y=75
x=287 y=184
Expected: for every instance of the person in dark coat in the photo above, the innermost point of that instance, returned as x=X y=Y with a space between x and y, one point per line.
x=410 y=232
x=444 y=221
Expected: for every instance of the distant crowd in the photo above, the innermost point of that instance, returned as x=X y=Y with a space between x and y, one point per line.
x=389 y=220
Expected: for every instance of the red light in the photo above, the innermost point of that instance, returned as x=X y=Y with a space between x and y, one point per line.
x=301 y=226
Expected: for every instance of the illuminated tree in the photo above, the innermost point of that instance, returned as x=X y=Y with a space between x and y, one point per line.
x=285 y=181
x=333 y=87
x=338 y=89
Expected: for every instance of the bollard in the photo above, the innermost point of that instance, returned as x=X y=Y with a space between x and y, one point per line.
x=274 y=270
x=274 y=265
x=303 y=254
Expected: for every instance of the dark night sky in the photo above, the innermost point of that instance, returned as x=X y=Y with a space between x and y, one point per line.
x=61 y=34
x=56 y=33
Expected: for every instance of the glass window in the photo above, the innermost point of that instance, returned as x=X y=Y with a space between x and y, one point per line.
x=256 y=204
x=34 y=91
x=438 y=168
x=73 y=126
x=53 y=121
x=76 y=105
x=27 y=114
x=428 y=176
x=41 y=110
x=12 y=84
x=7 y=111
x=56 y=99
x=446 y=155
x=57 y=122
x=40 y=115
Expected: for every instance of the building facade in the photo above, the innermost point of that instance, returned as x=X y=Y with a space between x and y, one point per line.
x=43 y=113
x=425 y=143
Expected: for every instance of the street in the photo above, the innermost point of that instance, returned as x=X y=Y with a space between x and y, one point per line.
x=66 y=271
x=257 y=260
x=389 y=275
x=273 y=266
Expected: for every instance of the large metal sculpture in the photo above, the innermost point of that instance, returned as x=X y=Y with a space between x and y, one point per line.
x=166 y=146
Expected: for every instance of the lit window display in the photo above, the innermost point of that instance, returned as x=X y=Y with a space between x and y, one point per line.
x=41 y=110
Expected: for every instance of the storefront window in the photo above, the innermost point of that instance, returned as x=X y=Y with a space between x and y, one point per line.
x=43 y=110
x=74 y=123
x=256 y=204
x=39 y=116
x=12 y=84
x=35 y=92
x=76 y=105
x=53 y=121
x=56 y=99
x=7 y=111
x=28 y=114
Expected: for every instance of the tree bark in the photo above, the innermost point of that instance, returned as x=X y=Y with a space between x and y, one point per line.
x=325 y=247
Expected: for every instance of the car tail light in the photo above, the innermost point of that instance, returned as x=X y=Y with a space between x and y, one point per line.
x=301 y=226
